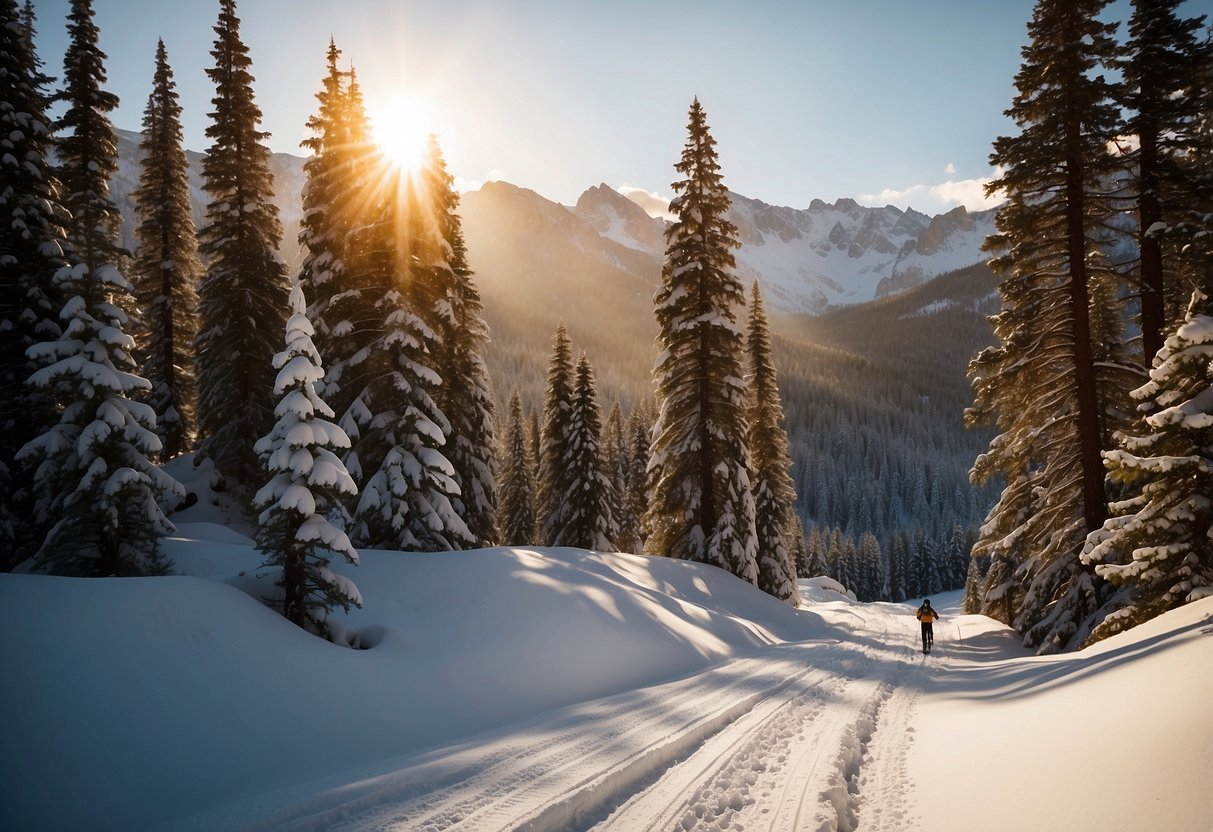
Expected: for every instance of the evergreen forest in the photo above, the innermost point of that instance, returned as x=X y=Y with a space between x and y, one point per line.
x=1037 y=429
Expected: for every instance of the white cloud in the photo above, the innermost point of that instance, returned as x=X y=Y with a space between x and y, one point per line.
x=941 y=197
x=655 y=205
x=950 y=169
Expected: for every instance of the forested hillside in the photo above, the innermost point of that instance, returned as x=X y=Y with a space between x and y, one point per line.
x=874 y=396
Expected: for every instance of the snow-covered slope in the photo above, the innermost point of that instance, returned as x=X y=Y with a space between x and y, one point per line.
x=828 y=254
x=618 y=218
x=557 y=689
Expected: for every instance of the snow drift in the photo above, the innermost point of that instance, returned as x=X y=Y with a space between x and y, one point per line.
x=135 y=703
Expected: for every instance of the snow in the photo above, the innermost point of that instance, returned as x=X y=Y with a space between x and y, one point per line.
x=1119 y=723
x=556 y=689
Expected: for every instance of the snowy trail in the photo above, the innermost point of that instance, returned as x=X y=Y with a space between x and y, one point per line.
x=801 y=736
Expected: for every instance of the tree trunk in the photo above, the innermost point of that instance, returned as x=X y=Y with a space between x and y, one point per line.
x=1093 y=498
x=707 y=503
x=1149 y=208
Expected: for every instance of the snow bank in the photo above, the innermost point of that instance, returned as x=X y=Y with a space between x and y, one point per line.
x=130 y=703
x=145 y=700
x=1118 y=736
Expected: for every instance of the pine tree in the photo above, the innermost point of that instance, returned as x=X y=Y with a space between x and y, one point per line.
x=339 y=172
x=1159 y=544
x=243 y=294
x=465 y=395
x=589 y=521
x=1161 y=82
x=960 y=547
x=640 y=431
x=1038 y=384
x=1001 y=590
x=31 y=240
x=848 y=563
x=799 y=547
x=618 y=464
x=396 y=424
x=93 y=475
x=972 y=596
x=1189 y=233
x=702 y=508
x=534 y=445
x=555 y=479
x=305 y=487
x=1115 y=371
x=516 y=486
x=166 y=265
x=816 y=563
x=899 y=578
x=873 y=580
x=774 y=493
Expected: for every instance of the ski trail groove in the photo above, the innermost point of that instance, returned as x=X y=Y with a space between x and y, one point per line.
x=884 y=780
x=731 y=772
x=545 y=775
x=589 y=798
x=803 y=736
x=843 y=795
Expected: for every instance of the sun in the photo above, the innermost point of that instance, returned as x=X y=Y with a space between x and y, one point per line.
x=401 y=128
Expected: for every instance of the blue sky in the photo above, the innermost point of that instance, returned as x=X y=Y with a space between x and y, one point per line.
x=878 y=100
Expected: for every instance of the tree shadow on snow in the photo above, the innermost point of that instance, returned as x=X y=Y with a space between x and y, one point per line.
x=1025 y=677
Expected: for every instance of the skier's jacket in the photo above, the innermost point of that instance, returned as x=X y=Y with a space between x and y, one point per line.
x=926 y=614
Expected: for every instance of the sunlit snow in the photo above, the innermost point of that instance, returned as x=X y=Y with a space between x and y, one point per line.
x=556 y=689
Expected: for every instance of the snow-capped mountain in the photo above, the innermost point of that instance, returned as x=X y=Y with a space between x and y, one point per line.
x=826 y=255
x=807 y=259
x=618 y=218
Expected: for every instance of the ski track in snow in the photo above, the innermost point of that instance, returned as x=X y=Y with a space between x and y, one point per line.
x=804 y=736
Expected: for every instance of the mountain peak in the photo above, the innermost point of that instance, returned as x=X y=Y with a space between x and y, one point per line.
x=618 y=218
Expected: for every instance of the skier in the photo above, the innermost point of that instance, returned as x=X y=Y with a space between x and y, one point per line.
x=927 y=615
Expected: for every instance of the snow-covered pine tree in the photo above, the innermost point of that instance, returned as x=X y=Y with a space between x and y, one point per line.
x=395 y=423
x=516 y=485
x=797 y=542
x=1159 y=543
x=1164 y=57
x=848 y=562
x=588 y=522
x=640 y=432
x=618 y=466
x=960 y=547
x=338 y=172
x=1001 y=589
x=774 y=492
x=873 y=580
x=31 y=239
x=900 y=582
x=831 y=542
x=1116 y=372
x=555 y=451
x=816 y=563
x=243 y=293
x=701 y=505
x=1038 y=384
x=534 y=444
x=972 y=596
x=924 y=562
x=166 y=267
x=93 y=474
x=305 y=487
x=465 y=395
